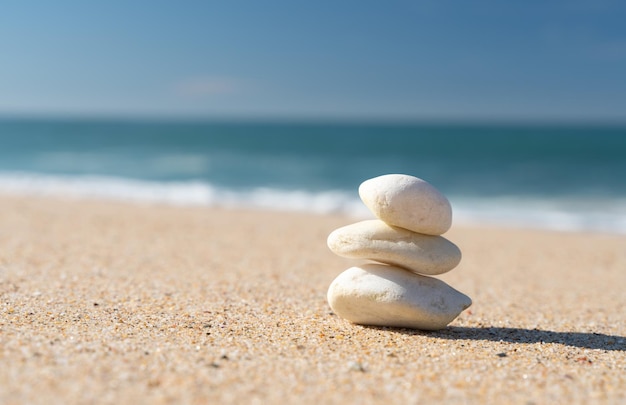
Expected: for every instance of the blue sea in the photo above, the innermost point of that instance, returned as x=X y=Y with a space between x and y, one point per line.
x=547 y=176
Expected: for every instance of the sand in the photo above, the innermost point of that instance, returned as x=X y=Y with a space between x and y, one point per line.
x=105 y=302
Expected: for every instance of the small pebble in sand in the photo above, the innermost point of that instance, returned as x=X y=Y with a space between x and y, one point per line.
x=356 y=366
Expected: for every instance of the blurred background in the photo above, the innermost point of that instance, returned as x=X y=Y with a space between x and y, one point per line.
x=516 y=111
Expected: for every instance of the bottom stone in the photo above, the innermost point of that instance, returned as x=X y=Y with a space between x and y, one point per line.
x=383 y=295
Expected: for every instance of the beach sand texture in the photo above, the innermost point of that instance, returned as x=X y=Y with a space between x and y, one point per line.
x=105 y=302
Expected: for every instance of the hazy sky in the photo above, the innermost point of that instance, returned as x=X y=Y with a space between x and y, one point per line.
x=356 y=59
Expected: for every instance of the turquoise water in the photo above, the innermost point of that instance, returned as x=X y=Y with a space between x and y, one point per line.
x=548 y=176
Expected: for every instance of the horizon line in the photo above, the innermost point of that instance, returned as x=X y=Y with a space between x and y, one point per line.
x=312 y=119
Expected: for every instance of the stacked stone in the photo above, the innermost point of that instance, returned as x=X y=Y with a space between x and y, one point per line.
x=406 y=241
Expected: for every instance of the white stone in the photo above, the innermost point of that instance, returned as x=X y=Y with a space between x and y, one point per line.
x=375 y=240
x=382 y=295
x=407 y=202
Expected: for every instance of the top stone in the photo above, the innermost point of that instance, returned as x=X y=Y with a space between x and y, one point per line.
x=407 y=202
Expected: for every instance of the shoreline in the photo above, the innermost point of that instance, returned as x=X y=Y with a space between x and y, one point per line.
x=196 y=194
x=114 y=302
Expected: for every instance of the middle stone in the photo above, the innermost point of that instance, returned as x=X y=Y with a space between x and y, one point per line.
x=376 y=240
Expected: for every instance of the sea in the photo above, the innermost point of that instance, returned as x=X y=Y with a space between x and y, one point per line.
x=552 y=176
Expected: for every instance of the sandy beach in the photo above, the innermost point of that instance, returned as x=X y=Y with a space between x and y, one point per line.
x=113 y=303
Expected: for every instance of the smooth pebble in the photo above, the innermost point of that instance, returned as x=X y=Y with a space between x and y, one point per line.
x=408 y=202
x=376 y=240
x=383 y=295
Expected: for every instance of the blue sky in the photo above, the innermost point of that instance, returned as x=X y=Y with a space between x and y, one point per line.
x=478 y=60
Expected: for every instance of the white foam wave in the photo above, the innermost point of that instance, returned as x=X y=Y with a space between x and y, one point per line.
x=562 y=214
x=179 y=193
x=599 y=215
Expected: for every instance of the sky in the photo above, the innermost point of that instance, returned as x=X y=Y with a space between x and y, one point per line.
x=390 y=60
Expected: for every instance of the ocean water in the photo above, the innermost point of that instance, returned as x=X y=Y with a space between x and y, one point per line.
x=550 y=176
